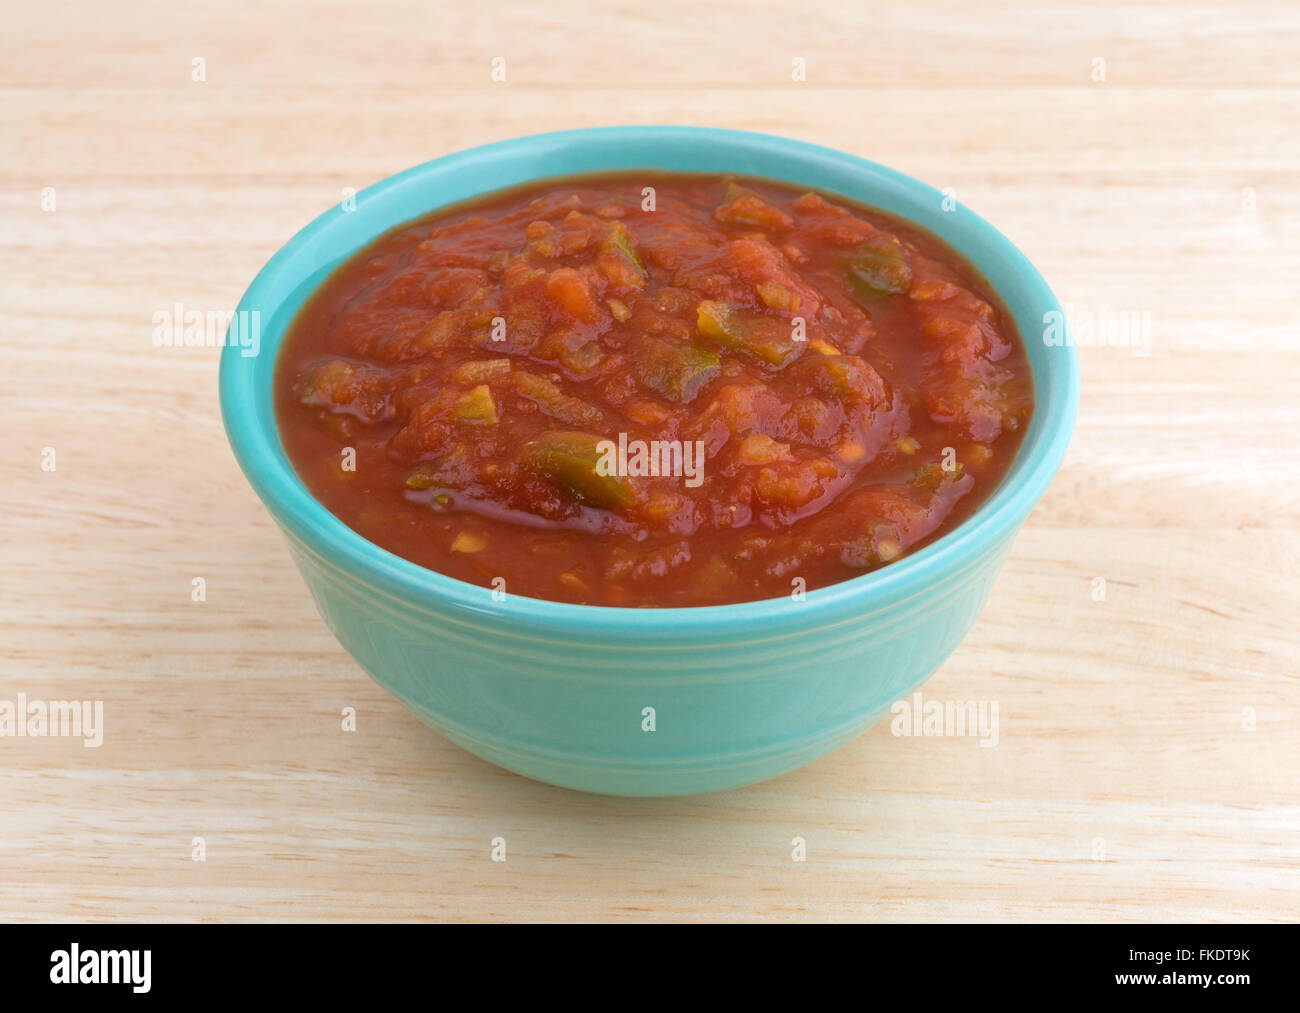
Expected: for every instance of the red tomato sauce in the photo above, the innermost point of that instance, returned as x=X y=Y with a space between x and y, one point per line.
x=722 y=391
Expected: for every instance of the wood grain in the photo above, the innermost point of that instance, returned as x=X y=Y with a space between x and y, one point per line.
x=1146 y=762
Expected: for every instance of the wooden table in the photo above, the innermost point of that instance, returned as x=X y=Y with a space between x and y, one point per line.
x=1147 y=760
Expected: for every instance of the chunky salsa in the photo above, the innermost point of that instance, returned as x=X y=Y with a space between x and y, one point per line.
x=653 y=390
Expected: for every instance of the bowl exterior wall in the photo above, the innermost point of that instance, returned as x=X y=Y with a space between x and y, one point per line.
x=573 y=712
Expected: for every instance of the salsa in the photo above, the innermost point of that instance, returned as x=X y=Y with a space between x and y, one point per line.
x=653 y=390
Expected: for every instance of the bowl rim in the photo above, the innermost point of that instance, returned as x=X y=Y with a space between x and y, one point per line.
x=332 y=543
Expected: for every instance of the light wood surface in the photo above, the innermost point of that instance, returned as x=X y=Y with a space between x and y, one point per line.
x=1146 y=767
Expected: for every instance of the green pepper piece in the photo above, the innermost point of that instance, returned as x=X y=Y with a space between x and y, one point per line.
x=767 y=338
x=877 y=269
x=843 y=376
x=476 y=406
x=719 y=322
x=677 y=370
x=621 y=240
x=569 y=459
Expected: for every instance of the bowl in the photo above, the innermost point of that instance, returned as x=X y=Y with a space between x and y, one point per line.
x=643 y=701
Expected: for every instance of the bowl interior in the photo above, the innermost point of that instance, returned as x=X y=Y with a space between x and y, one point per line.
x=296 y=270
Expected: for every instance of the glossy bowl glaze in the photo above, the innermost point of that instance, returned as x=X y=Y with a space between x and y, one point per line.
x=567 y=693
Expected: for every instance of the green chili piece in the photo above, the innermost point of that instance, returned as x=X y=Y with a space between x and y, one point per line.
x=570 y=459
x=877 y=269
x=677 y=370
x=620 y=239
x=767 y=338
x=476 y=406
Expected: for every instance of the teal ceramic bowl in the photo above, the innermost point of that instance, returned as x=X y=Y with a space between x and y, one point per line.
x=561 y=692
